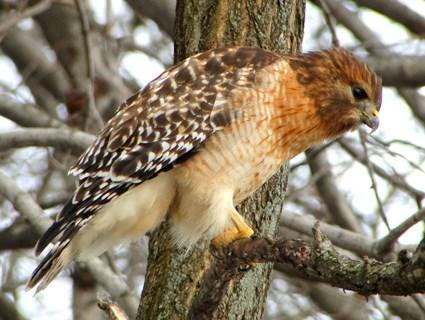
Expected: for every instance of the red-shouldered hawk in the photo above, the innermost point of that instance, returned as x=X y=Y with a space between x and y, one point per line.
x=198 y=140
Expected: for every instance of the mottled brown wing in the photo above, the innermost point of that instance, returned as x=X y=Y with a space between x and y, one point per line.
x=173 y=115
x=157 y=128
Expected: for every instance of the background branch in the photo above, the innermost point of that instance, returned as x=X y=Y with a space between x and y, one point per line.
x=30 y=210
x=399 y=12
x=61 y=139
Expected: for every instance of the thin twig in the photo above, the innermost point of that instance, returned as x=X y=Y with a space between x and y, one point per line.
x=374 y=186
x=20 y=15
x=111 y=308
x=404 y=142
x=92 y=111
x=384 y=244
x=386 y=147
x=330 y=22
x=396 y=180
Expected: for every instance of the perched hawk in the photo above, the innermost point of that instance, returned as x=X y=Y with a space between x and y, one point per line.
x=198 y=140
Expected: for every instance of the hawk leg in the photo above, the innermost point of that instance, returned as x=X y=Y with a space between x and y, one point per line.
x=239 y=230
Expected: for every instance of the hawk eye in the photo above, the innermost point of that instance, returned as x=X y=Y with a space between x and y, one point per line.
x=359 y=93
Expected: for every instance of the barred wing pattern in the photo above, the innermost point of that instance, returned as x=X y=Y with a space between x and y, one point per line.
x=156 y=129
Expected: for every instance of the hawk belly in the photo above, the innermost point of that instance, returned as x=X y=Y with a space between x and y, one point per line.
x=230 y=166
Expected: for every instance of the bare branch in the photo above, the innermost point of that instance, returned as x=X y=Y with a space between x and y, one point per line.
x=399 y=12
x=160 y=11
x=374 y=186
x=29 y=56
x=338 y=304
x=329 y=21
x=27 y=13
x=61 y=139
x=355 y=25
x=115 y=285
x=345 y=239
x=416 y=102
x=395 y=180
x=26 y=115
x=404 y=307
x=23 y=203
x=52 y=200
x=93 y=114
x=319 y=259
x=111 y=308
x=29 y=209
x=385 y=244
x=400 y=71
x=337 y=205
x=19 y=235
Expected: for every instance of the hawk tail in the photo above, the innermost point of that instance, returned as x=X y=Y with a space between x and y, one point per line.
x=53 y=263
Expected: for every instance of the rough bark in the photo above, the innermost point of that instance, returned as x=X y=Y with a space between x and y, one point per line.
x=173 y=277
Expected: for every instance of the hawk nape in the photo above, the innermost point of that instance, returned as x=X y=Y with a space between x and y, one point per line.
x=198 y=140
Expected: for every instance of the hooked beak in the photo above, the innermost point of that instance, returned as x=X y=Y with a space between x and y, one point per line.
x=371 y=118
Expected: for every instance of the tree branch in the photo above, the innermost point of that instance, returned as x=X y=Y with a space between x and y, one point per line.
x=19 y=235
x=94 y=119
x=61 y=139
x=386 y=243
x=28 y=54
x=318 y=259
x=337 y=205
x=20 y=15
x=26 y=115
x=399 y=71
x=345 y=239
x=404 y=307
x=111 y=308
x=395 y=180
x=160 y=11
x=416 y=101
x=399 y=12
x=8 y=309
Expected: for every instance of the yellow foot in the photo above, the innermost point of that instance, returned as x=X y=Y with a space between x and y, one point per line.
x=240 y=230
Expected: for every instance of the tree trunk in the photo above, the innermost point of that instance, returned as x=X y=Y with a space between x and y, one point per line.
x=174 y=276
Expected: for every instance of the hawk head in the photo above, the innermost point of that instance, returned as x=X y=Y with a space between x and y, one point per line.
x=344 y=90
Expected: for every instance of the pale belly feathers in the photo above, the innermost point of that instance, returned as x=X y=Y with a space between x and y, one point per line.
x=231 y=165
